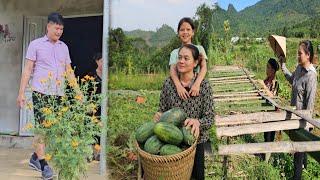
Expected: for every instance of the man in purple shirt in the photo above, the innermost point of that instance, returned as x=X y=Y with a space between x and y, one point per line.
x=47 y=60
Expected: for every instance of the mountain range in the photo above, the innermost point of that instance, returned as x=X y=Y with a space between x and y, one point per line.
x=286 y=17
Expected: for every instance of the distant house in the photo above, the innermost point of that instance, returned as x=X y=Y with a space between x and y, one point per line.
x=21 y=21
x=235 y=40
x=260 y=40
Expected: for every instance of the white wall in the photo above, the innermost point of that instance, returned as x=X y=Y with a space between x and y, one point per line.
x=10 y=68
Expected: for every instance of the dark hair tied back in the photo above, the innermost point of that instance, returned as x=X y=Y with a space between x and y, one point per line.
x=187 y=20
x=274 y=64
x=308 y=48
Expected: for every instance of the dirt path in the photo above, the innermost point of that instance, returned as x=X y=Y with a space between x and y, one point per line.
x=14 y=166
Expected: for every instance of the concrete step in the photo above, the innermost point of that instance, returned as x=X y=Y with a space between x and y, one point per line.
x=7 y=141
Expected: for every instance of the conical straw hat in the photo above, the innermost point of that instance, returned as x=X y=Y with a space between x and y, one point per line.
x=278 y=44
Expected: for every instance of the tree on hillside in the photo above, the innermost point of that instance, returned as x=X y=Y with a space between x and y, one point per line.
x=204 y=26
x=162 y=36
x=127 y=54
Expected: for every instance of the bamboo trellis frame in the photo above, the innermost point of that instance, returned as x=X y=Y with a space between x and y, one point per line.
x=284 y=119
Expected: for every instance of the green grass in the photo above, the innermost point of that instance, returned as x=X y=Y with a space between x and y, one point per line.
x=120 y=80
x=125 y=116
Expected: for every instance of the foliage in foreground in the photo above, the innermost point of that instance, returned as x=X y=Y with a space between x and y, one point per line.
x=126 y=114
x=69 y=127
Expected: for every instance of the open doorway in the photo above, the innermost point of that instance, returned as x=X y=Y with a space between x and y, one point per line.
x=83 y=35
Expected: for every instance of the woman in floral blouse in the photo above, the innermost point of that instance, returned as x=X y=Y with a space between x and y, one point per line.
x=199 y=109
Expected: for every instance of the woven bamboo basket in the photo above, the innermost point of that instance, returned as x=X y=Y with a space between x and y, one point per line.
x=173 y=167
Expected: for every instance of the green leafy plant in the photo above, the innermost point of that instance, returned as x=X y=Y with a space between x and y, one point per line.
x=69 y=127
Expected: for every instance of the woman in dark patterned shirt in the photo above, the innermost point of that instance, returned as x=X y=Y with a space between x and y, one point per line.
x=272 y=85
x=199 y=109
x=271 y=81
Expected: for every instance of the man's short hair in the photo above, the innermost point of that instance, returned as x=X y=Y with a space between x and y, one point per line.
x=55 y=18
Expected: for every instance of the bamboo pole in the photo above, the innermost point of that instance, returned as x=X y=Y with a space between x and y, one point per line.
x=228 y=78
x=232 y=90
x=269 y=147
x=239 y=92
x=236 y=99
x=233 y=83
x=243 y=81
x=228 y=86
x=229 y=74
x=243 y=109
x=225 y=68
x=235 y=95
x=261 y=101
x=259 y=128
x=258 y=117
x=247 y=105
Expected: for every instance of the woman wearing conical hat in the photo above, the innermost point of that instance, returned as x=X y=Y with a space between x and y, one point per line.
x=304 y=87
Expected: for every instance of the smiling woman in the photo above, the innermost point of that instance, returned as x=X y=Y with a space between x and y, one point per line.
x=186 y=64
x=304 y=89
x=186 y=31
x=199 y=109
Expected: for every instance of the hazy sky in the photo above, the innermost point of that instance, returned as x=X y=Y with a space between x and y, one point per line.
x=238 y=4
x=152 y=14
